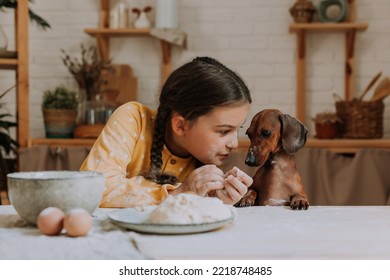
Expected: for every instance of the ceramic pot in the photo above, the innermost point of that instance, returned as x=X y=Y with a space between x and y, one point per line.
x=59 y=123
x=302 y=11
x=327 y=130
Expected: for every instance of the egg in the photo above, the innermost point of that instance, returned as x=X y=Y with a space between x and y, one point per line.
x=77 y=222
x=50 y=221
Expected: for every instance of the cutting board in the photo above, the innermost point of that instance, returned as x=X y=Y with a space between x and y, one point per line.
x=121 y=86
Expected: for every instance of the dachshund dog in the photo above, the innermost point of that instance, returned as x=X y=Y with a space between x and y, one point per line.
x=275 y=137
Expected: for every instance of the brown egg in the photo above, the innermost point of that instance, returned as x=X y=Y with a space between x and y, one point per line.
x=77 y=222
x=50 y=221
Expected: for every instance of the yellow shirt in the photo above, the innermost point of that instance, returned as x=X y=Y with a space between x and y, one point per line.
x=122 y=151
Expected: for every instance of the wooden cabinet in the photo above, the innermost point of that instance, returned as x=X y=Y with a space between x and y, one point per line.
x=350 y=29
x=20 y=65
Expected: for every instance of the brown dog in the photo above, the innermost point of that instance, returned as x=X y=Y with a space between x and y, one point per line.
x=275 y=137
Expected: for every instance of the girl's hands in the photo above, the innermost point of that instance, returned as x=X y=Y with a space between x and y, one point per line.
x=202 y=180
x=236 y=184
x=210 y=180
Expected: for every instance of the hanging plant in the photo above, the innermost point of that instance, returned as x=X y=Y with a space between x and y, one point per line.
x=42 y=23
x=7 y=144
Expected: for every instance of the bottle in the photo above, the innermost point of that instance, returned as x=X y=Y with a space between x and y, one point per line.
x=167 y=14
x=122 y=14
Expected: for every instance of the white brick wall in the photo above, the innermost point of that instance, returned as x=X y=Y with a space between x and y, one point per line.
x=249 y=36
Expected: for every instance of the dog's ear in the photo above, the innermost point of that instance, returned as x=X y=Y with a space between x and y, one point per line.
x=250 y=131
x=293 y=134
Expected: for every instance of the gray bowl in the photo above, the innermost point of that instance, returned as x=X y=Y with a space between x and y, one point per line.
x=31 y=192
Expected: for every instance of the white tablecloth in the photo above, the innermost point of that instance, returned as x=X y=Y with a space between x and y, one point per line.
x=19 y=240
x=355 y=232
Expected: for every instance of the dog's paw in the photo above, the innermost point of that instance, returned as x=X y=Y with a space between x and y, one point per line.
x=299 y=202
x=247 y=200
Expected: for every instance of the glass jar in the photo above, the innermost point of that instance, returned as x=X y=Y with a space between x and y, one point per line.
x=96 y=111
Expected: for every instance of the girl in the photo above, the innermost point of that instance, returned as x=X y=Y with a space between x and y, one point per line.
x=146 y=156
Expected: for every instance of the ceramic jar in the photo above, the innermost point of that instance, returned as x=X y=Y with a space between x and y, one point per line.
x=302 y=11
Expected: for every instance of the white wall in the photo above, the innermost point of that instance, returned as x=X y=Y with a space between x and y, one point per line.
x=249 y=36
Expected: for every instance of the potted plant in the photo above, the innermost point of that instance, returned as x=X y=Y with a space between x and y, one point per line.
x=12 y=4
x=59 y=108
x=8 y=145
x=327 y=125
x=88 y=71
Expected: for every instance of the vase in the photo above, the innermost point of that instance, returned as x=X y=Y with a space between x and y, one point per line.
x=94 y=115
x=302 y=11
x=96 y=111
x=327 y=130
x=167 y=14
x=328 y=13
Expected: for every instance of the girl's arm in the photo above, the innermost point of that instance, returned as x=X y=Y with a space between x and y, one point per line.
x=128 y=129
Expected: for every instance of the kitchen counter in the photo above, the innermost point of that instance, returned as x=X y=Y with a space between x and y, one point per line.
x=322 y=232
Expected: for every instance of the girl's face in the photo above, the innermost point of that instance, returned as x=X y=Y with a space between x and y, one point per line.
x=212 y=137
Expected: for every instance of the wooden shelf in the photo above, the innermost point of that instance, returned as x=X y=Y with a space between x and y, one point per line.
x=103 y=36
x=328 y=27
x=347 y=145
x=350 y=29
x=57 y=142
x=104 y=33
x=8 y=63
x=344 y=146
x=121 y=32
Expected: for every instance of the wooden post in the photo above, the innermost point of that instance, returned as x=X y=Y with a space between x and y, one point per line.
x=166 y=66
x=350 y=70
x=103 y=46
x=104 y=14
x=301 y=68
x=22 y=72
x=352 y=11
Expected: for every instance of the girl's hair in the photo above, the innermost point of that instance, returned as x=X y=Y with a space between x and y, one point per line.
x=192 y=90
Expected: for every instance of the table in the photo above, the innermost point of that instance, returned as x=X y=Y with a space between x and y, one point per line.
x=322 y=232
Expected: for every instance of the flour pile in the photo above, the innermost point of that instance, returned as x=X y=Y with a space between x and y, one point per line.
x=187 y=208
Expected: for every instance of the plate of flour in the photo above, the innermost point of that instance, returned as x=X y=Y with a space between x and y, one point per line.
x=182 y=214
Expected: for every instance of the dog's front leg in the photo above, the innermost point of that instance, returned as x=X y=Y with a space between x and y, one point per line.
x=299 y=202
x=248 y=199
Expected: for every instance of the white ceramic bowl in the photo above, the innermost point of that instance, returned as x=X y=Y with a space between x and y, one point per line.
x=31 y=192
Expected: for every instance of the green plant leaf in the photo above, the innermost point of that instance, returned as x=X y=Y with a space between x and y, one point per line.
x=42 y=23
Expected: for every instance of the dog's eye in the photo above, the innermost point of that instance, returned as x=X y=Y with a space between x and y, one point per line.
x=265 y=133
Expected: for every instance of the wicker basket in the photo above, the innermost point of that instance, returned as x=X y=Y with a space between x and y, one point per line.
x=361 y=119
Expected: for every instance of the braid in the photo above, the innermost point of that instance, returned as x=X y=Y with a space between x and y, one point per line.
x=154 y=173
x=158 y=141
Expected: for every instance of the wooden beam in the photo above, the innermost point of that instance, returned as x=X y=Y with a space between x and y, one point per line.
x=166 y=66
x=350 y=70
x=104 y=46
x=104 y=14
x=22 y=72
x=301 y=69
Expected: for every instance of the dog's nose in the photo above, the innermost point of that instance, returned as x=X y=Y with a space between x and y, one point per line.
x=250 y=159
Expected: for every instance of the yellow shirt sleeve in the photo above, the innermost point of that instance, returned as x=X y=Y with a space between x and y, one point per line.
x=122 y=152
